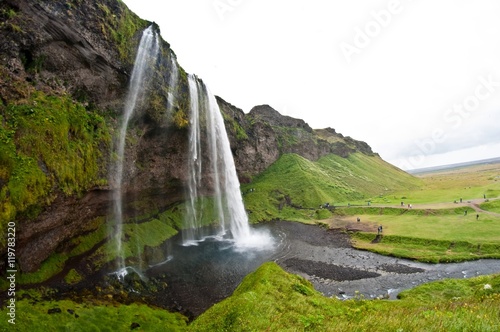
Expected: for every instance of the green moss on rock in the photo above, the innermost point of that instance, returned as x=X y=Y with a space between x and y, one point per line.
x=48 y=144
x=121 y=28
x=73 y=277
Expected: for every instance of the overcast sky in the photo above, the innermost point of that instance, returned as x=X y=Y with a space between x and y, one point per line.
x=418 y=80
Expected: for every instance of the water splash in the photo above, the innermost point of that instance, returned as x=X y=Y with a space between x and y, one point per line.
x=208 y=139
x=146 y=54
x=121 y=273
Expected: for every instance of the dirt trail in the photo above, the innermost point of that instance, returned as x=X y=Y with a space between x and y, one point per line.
x=349 y=222
x=472 y=203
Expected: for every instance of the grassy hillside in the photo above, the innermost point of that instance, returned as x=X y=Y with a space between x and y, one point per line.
x=272 y=300
x=493 y=206
x=295 y=181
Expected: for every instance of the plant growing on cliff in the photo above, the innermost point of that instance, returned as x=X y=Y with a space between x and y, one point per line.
x=121 y=28
x=180 y=119
x=47 y=144
x=235 y=127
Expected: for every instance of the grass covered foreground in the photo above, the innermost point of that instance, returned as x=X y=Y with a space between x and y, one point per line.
x=34 y=314
x=272 y=300
x=294 y=182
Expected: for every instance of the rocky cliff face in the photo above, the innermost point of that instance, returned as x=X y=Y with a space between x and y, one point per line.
x=262 y=135
x=79 y=54
x=64 y=47
x=84 y=51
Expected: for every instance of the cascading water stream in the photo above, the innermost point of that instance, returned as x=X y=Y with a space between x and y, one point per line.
x=172 y=83
x=231 y=204
x=193 y=218
x=214 y=138
x=219 y=170
x=146 y=55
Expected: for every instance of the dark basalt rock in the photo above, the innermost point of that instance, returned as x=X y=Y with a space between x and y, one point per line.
x=270 y=134
x=54 y=311
x=274 y=118
x=327 y=271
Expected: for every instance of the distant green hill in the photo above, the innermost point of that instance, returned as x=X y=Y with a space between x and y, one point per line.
x=294 y=187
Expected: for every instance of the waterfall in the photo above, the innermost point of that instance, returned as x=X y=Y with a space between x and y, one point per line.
x=146 y=54
x=192 y=219
x=208 y=138
x=231 y=207
x=172 y=83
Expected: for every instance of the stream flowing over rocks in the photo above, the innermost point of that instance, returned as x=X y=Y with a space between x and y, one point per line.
x=341 y=271
x=324 y=257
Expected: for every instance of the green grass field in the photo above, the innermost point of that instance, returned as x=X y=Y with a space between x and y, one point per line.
x=435 y=229
x=35 y=314
x=447 y=186
x=439 y=235
x=493 y=206
x=455 y=227
x=293 y=182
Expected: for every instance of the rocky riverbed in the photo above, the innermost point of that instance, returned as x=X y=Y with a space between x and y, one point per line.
x=202 y=275
x=326 y=258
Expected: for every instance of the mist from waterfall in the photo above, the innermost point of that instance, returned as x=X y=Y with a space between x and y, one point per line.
x=146 y=56
x=211 y=164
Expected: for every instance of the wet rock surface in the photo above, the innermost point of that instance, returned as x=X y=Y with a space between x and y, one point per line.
x=327 y=271
x=400 y=268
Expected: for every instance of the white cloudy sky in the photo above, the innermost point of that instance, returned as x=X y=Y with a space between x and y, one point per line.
x=417 y=80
